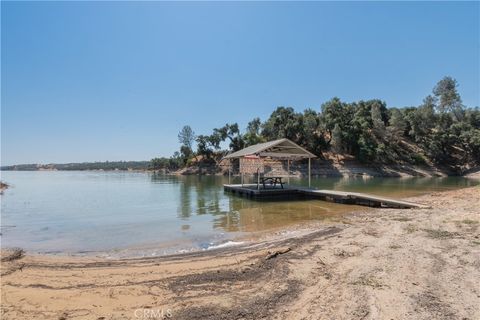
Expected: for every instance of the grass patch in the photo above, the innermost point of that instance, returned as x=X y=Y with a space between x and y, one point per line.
x=394 y=246
x=440 y=234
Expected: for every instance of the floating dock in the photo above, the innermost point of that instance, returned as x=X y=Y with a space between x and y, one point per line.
x=291 y=192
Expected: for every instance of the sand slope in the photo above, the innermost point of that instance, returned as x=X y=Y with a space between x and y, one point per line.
x=377 y=264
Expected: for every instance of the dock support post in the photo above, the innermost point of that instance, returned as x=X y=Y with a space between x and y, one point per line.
x=229 y=173
x=288 y=171
x=258 y=179
x=242 y=179
x=309 y=174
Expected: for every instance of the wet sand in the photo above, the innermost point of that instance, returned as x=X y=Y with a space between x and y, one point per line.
x=374 y=264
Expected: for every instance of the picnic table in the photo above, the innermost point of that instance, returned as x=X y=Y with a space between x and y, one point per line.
x=272 y=181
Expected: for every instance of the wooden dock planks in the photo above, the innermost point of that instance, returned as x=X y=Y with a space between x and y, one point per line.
x=345 y=197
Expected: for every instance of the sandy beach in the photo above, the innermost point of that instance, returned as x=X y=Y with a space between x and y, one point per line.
x=374 y=264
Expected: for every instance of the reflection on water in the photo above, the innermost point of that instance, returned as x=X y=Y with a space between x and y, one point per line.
x=95 y=211
x=248 y=217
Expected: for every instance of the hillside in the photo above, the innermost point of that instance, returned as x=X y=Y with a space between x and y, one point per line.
x=441 y=133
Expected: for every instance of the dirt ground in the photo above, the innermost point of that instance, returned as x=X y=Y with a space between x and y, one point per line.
x=376 y=264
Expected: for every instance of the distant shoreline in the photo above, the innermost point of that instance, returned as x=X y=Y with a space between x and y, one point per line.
x=321 y=168
x=80 y=166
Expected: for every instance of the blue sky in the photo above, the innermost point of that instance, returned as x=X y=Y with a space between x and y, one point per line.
x=96 y=81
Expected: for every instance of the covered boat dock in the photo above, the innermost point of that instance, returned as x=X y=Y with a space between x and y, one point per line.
x=251 y=160
x=267 y=186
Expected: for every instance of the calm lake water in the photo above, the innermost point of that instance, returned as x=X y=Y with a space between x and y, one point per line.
x=132 y=213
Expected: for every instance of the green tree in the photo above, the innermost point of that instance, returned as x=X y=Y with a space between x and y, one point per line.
x=332 y=114
x=471 y=139
x=422 y=120
x=311 y=134
x=366 y=148
x=185 y=153
x=158 y=163
x=204 y=146
x=448 y=98
x=336 y=141
x=337 y=112
x=363 y=116
x=440 y=138
x=253 y=136
x=283 y=123
x=377 y=120
x=472 y=116
x=176 y=161
x=232 y=132
x=397 y=124
x=186 y=137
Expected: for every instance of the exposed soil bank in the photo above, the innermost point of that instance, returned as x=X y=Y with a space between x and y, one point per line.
x=376 y=264
x=337 y=168
x=473 y=173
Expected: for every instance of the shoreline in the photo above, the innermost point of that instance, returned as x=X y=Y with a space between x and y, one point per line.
x=150 y=251
x=322 y=168
x=374 y=263
x=240 y=241
x=344 y=172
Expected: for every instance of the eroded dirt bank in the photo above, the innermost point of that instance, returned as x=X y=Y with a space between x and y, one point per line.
x=376 y=264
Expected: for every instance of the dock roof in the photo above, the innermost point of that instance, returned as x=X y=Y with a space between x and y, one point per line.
x=282 y=148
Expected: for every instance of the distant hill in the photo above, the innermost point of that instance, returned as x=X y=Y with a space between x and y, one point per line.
x=107 y=165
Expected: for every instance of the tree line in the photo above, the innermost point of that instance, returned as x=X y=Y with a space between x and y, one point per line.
x=106 y=165
x=441 y=130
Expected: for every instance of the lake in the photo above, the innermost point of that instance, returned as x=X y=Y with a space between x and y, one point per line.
x=133 y=213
